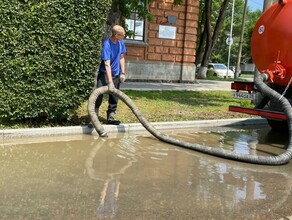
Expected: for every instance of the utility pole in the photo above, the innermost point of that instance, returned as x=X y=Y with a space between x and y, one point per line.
x=267 y=4
x=237 y=70
x=230 y=39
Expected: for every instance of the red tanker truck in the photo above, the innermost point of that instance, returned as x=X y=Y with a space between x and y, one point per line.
x=271 y=48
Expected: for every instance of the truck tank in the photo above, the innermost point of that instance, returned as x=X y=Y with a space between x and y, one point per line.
x=271 y=49
x=271 y=43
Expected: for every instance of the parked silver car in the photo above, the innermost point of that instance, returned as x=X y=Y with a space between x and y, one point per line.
x=220 y=70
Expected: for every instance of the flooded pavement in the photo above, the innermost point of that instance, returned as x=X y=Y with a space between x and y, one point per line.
x=134 y=176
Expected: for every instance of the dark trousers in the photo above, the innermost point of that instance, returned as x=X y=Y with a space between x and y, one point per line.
x=112 y=100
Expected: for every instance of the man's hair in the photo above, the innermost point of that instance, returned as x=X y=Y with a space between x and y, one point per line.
x=117 y=29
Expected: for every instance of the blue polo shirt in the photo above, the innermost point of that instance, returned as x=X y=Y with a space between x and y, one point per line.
x=112 y=51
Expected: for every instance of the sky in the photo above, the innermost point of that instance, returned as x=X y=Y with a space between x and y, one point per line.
x=255 y=4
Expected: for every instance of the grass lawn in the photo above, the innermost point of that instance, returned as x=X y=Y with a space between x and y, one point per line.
x=161 y=106
x=156 y=106
x=245 y=75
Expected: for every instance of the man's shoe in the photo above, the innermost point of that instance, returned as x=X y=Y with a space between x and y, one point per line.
x=111 y=119
x=90 y=125
x=113 y=122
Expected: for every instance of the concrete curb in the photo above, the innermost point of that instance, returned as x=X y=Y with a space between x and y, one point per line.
x=38 y=132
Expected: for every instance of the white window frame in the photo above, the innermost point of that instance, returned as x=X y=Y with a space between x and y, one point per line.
x=137 y=26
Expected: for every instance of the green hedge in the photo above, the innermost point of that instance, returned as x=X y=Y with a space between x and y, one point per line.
x=49 y=50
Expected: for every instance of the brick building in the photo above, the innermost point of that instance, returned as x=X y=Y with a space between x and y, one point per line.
x=164 y=49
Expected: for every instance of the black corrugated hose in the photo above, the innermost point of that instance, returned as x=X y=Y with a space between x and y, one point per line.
x=263 y=160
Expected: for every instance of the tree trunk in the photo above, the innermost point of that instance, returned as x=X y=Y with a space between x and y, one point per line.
x=200 y=50
x=219 y=22
x=202 y=39
x=207 y=29
x=211 y=41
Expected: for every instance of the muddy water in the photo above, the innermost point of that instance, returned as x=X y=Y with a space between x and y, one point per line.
x=137 y=177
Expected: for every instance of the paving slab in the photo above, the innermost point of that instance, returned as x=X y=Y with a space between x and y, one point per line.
x=199 y=85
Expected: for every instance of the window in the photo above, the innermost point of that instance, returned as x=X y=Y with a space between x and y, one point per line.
x=135 y=27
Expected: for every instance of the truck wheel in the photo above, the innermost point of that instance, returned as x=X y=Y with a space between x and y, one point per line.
x=278 y=125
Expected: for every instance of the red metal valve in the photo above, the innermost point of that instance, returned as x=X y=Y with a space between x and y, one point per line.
x=276 y=72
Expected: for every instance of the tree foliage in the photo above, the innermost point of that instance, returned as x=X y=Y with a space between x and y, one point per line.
x=49 y=50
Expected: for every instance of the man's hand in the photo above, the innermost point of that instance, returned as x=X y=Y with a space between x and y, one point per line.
x=111 y=86
x=122 y=77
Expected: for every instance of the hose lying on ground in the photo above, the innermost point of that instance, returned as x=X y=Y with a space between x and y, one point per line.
x=264 y=160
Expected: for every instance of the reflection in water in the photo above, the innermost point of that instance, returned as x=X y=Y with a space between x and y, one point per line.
x=246 y=144
x=108 y=205
x=246 y=188
x=138 y=177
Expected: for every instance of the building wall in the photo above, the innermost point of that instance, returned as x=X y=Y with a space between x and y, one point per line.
x=162 y=59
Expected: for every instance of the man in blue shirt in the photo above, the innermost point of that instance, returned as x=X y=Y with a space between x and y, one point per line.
x=112 y=69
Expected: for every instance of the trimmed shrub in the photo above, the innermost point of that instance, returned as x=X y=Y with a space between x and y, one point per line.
x=49 y=50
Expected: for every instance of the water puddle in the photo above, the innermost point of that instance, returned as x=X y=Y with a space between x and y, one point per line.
x=134 y=176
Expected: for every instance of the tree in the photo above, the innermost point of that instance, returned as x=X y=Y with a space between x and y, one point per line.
x=219 y=51
x=210 y=41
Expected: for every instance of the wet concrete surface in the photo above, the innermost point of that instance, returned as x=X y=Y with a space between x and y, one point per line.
x=134 y=176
